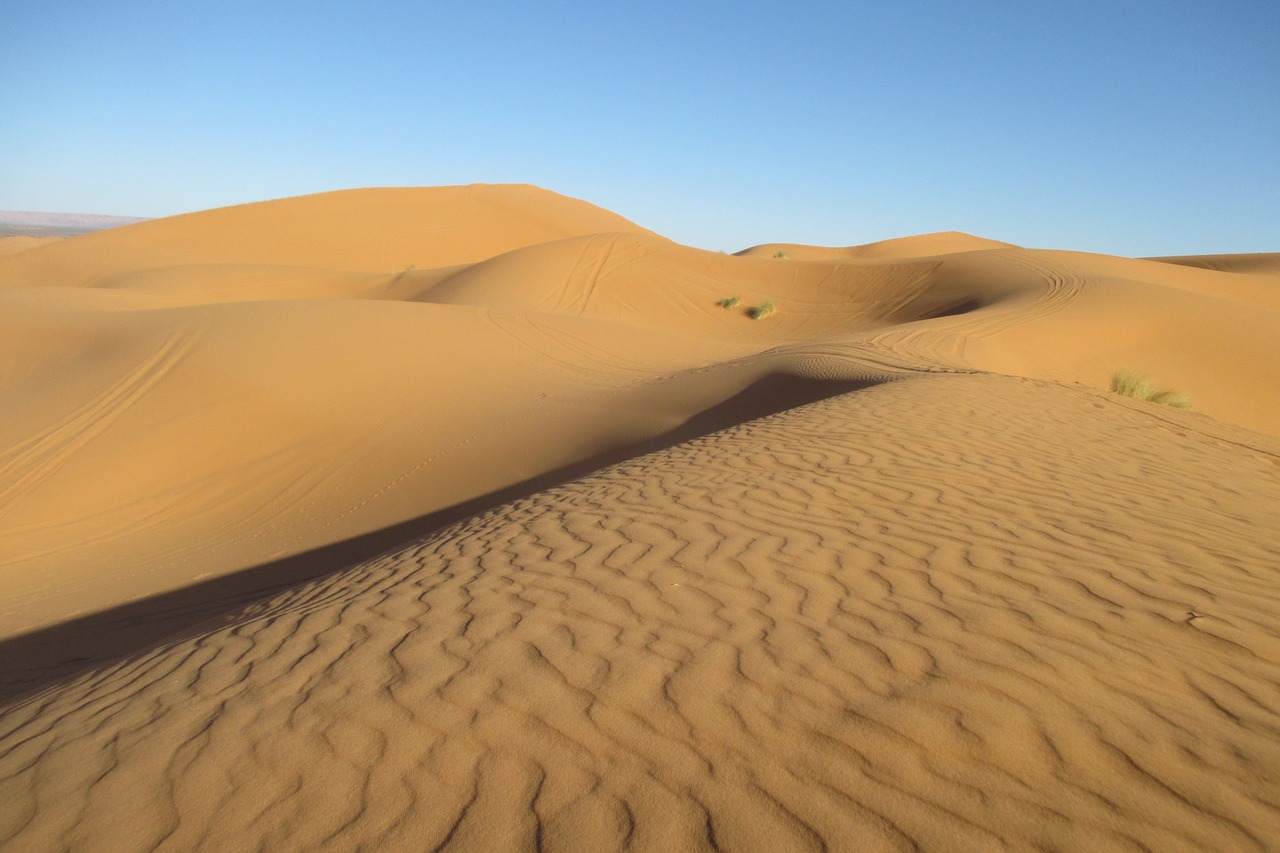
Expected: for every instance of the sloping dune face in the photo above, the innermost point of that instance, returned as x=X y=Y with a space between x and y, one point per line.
x=899 y=619
x=1266 y=263
x=897 y=571
x=378 y=230
x=186 y=399
x=941 y=243
x=14 y=244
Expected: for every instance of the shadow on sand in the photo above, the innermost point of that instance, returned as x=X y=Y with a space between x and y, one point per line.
x=31 y=661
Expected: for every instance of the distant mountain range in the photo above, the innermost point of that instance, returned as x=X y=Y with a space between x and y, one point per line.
x=36 y=224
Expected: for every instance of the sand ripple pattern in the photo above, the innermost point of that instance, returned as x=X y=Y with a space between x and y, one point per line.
x=952 y=613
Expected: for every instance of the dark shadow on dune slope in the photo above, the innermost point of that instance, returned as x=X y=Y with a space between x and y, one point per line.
x=33 y=660
x=964 y=307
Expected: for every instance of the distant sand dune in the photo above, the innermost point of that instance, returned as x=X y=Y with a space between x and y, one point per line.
x=1264 y=263
x=920 y=246
x=21 y=243
x=889 y=569
x=351 y=230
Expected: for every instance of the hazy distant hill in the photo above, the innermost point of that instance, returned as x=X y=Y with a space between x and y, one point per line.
x=36 y=224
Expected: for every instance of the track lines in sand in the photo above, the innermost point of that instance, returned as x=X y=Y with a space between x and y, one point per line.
x=900 y=619
x=567 y=352
x=580 y=283
x=28 y=463
x=942 y=340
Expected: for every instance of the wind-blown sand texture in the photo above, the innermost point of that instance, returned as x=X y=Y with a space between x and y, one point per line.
x=301 y=547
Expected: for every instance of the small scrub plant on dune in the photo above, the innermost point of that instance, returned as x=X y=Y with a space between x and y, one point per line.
x=764 y=309
x=731 y=302
x=1140 y=388
x=781 y=255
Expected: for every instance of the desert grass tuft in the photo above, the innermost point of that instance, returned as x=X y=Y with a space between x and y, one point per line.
x=764 y=309
x=1131 y=384
x=781 y=255
x=731 y=302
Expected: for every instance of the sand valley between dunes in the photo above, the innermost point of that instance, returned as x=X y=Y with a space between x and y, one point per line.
x=483 y=519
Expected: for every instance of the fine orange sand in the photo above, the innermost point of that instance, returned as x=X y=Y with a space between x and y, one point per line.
x=466 y=518
x=20 y=243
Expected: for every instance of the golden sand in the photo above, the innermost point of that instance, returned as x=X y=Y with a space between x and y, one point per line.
x=301 y=546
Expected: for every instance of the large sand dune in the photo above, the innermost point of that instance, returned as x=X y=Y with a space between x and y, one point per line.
x=896 y=573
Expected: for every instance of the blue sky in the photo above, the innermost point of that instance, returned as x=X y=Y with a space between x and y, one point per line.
x=1133 y=128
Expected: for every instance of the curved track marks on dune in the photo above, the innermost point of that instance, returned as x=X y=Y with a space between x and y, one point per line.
x=901 y=619
x=941 y=341
x=580 y=283
x=27 y=464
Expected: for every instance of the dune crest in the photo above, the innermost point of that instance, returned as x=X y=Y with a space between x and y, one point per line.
x=481 y=518
x=384 y=229
x=1262 y=263
x=898 y=248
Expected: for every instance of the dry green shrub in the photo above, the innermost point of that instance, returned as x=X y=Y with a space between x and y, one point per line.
x=1131 y=384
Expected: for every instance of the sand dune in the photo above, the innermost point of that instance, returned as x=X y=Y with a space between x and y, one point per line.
x=1264 y=263
x=20 y=243
x=382 y=230
x=918 y=246
x=897 y=572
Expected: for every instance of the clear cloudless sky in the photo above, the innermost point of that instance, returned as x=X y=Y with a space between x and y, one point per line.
x=1130 y=127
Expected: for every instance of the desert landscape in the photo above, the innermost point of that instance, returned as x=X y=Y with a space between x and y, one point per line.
x=481 y=518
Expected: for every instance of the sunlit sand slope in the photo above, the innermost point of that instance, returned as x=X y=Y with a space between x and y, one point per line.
x=188 y=398
x=382 y=229
x=1265 y=263
x=919 y=246
x=963 y=612
x=19 y=243
x=1078 y=317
